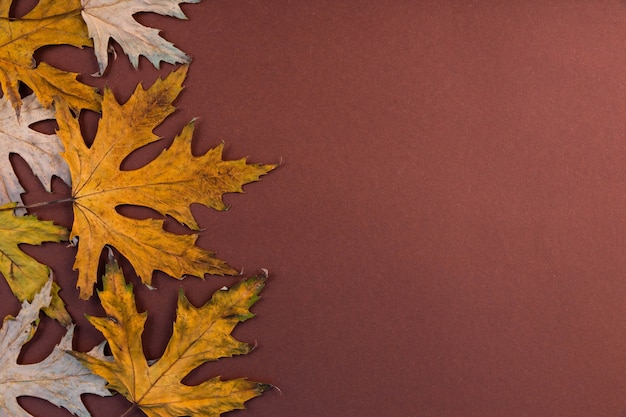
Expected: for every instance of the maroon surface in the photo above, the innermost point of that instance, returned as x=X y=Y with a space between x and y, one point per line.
x=446 y=235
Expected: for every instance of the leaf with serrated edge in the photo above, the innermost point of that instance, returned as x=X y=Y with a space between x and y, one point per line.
x=50 y=22
x=24 y=274
x=200 y=334
x=41 y=151
x=169 y=184
x=108 y=19
x=59 y=378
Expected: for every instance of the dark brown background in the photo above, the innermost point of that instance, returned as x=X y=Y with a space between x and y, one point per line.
x=446 y=235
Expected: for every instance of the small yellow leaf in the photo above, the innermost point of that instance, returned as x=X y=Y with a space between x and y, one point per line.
x=50 y=22
x=24 y=274
x=169 y=184
x=200 y=335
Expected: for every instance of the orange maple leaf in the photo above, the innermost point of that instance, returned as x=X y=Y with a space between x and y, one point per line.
x=200 y=334
x=169 y=184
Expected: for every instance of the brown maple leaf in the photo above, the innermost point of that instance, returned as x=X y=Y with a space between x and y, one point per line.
x=200 y=334
x=50 y=22
x=169 y=184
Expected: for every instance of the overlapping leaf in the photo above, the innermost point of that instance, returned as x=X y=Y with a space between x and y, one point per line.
x=200 y=335
x=41 y=151
x=59 y=378
x=24 y=274
x=108 y=19
x=50 y=22
x=169 y=184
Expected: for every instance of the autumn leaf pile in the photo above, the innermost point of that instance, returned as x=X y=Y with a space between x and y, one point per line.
x=98 y=188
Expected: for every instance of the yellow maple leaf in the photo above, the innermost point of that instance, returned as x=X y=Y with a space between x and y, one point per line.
x=169 y=184
x=200 y=334
x=50 y=22
x=24 y=274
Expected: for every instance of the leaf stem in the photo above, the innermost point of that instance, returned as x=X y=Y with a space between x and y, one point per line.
x=43 y=203
x=129 y=410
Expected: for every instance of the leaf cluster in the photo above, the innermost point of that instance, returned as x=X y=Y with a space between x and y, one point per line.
x=98 y=188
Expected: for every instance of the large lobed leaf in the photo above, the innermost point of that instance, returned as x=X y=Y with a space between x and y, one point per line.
x=24 y=274
x=200 y=335
x=41 y=151
x=108 y=19
x=50 y=22
x=59 y=378
x=165 y=184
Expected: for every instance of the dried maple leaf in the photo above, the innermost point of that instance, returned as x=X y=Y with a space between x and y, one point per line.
x=41 y=151
x=59 y=378
x=169 y=184
x=50 y=22
x=200 y=334
x=24 y=274
x=108 y=19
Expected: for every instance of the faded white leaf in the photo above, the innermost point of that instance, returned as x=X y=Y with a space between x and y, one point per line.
x=59 y=379
x=108 y=19
x=41 y=151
